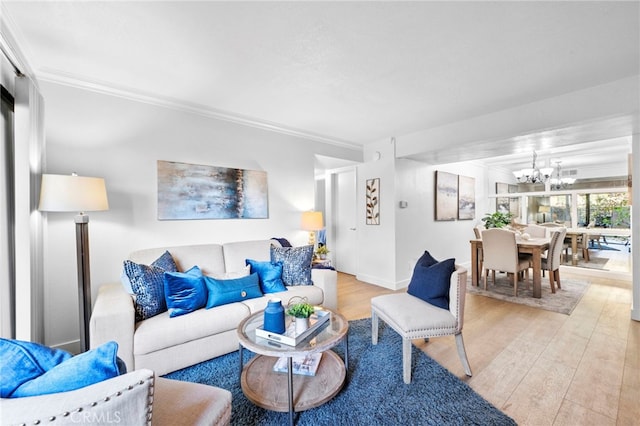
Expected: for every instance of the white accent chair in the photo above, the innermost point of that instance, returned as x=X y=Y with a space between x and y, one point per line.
x=136 y=398
x=413 y=318
x=500 y=253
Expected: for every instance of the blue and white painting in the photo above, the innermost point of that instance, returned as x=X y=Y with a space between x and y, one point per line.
x=193 y=191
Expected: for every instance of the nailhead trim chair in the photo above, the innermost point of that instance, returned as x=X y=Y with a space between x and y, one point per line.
x=413 y=318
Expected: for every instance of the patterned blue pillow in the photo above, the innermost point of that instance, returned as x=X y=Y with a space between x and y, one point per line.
x=147 y=283
x=296 y=263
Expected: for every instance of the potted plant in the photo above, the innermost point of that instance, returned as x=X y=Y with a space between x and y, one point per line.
x=497 y=220
x=301 y=312
x=322 y=252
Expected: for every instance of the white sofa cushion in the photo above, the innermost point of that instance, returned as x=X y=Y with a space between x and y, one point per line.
x=236 y=253
x=162 y=332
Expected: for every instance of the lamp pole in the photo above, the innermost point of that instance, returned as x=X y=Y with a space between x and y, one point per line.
x=84 y=278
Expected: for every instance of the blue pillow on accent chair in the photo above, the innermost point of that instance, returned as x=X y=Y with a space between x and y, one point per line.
x=296 y=263
x=23 y=361
x=432 y=283
x=221 y=292
x=58 y=370
x=270 y=275
x=426 y=259
x=147 y=283
x=184 y=291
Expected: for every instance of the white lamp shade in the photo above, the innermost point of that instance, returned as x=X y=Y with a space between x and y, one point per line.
x=312 y=221
x=66 y=193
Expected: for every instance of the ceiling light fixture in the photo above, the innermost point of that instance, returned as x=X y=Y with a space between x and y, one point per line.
x=533 y=175
x=558 y=182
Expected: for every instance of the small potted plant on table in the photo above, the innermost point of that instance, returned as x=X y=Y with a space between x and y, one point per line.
x=301 y=311
x=322 y=252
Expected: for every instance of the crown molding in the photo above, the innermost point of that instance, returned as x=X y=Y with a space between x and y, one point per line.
x=68 y=79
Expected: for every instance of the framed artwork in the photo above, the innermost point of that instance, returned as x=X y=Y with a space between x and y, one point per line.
x=466 y=198
x=193 y=191
x=446 y=196
x=373 y=201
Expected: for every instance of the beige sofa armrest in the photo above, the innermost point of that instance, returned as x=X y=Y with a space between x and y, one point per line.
x=113 y=318
x=123 y=399
x=327 y=280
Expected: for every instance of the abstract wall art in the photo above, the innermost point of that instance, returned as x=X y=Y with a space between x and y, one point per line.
x=193 y=191
x=466 y=198
x=446 y=196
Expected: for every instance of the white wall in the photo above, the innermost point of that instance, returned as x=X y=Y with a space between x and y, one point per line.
x=121 y=140
x=417 y=229
x=377 y=243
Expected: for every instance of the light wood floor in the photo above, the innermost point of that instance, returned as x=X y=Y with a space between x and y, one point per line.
x=540 y=367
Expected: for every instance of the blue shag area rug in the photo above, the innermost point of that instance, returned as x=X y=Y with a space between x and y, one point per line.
x=374 y=393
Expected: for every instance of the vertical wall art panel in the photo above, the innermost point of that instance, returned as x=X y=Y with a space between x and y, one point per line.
x=446 y=196
x=192 y=191
x=466 y=198
x=373 y=201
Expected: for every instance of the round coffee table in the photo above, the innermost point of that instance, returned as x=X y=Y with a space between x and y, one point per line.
x=288 y=392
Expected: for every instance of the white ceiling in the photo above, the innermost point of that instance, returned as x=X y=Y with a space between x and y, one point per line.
x=345 y=72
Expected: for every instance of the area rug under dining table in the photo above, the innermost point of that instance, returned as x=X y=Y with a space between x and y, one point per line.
x=563 y=301
x=374 y=393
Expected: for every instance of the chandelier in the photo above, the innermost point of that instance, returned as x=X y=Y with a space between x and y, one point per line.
x=534 y=174
x=559 y=182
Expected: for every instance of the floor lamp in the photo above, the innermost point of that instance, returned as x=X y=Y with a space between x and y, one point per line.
x=312 y=222
x=63 y=193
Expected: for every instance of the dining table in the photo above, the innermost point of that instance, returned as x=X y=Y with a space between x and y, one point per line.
x=533 y=246
x=573 y=233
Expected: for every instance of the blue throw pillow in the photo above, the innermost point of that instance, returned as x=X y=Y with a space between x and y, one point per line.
x=82 y=370
x=431 y=283
x=147 y=283
x=426 y=259
x=23 y=361
x=296 y=264
x=184 y=291
x=221 y=292
x=270 y=275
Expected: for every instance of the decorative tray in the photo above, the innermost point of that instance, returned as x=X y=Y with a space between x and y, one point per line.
x=290 y=338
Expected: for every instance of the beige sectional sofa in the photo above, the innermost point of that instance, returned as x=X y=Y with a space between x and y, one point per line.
x=164 y=344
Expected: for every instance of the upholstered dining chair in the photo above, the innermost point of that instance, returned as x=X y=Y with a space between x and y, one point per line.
x=414 y=318
x=551 y=262
x=478 y=232
x=500 y=253
x=535 y=231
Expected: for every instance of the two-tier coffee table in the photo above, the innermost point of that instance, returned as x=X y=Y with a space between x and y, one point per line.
x=288 y=392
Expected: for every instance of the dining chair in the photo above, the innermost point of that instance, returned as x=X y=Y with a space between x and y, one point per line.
x=478 y=232
x=595 y=238
x=582 y=245
x=500 y=253
x=551 y=262
x=535 y=231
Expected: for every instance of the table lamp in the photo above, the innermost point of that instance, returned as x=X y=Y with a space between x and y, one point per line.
x=544 y=210
x=63 y=193
x=312 y=222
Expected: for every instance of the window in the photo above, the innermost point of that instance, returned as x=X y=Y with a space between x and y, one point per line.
x=605 y=210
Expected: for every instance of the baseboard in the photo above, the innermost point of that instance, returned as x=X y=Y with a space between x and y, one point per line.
x=391 y=285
